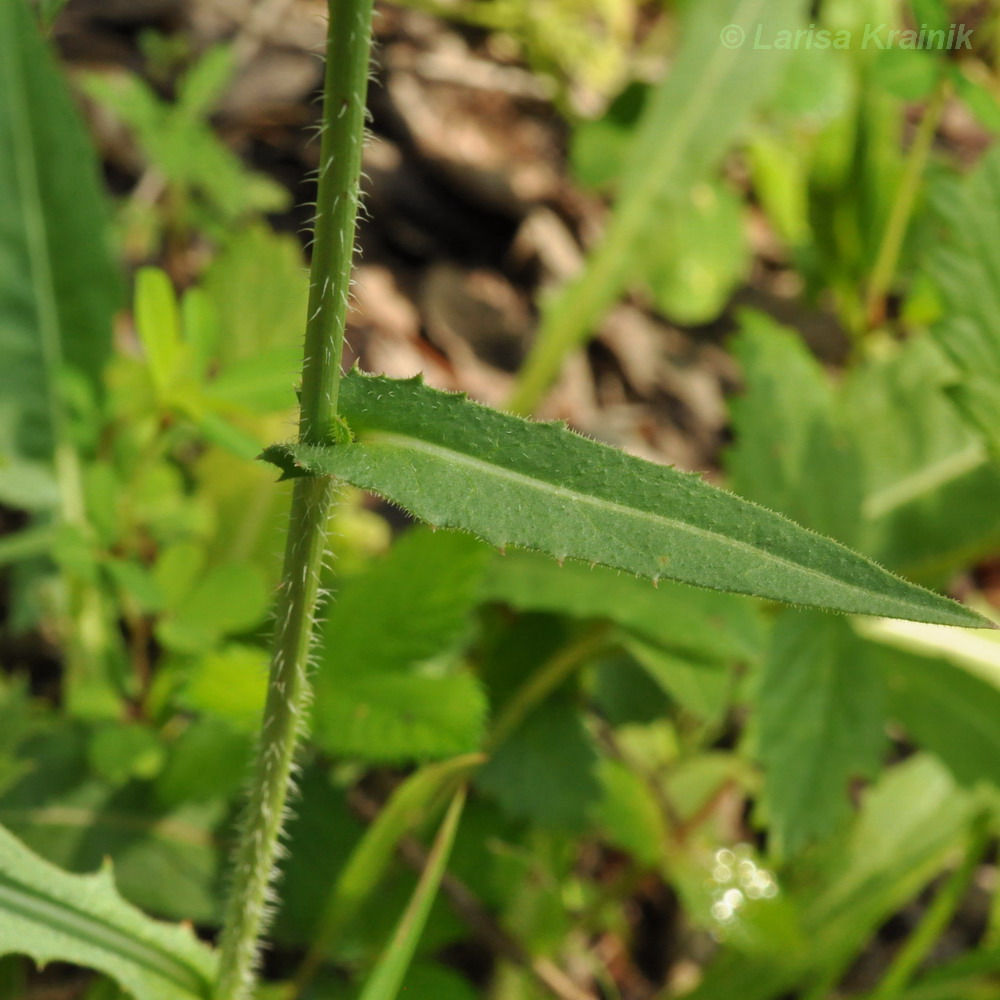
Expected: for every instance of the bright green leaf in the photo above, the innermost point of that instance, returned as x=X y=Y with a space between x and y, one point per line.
x=380 y=694
x=158 y=324
x=229 y=599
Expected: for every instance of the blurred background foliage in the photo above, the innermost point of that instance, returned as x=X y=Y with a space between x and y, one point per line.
x=683 y=792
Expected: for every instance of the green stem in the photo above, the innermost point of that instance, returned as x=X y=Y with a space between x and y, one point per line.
x=935 y=920
x=344 y=96
x=896 y=228
x=544 y=681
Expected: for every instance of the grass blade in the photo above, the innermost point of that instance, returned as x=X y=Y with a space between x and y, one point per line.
x=388 y=976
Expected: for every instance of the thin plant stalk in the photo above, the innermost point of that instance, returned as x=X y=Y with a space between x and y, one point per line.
x=935 y=921
x=544 y=681
x=343 y=123
x=884 y=270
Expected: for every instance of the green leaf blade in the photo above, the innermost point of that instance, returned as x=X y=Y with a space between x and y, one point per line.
x=374 y=697
x=460 y=465
x=49 y=915
x=820 y=724
x=59 y=287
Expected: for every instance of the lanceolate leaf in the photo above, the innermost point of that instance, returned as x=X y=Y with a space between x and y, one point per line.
x=58 y=284
x=457 y=464
x=53 y=916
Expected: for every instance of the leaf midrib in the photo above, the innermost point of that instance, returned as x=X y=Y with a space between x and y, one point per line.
x=498 y=471
x=66 y=919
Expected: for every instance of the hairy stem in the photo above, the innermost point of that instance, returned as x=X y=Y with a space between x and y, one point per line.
x=256 y=854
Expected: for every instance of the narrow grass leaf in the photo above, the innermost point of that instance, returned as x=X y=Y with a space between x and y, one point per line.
x=454 y=463
x=389 y=973
x=410 y=805
x=718 y=78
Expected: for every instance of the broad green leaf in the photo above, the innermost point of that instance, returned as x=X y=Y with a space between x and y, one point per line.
x=386 y=690
x=208 y=762
x=390 y=971
x=58 y=285
x=790 y=454
x=553 y=747
x=264 y=383
x=230 y=598
x=930 y=491
x=692 y=620
x=166 y=858
x=948 y=712
x=687 y=124
x=50 y=915
x=119 y=751
x=819 y=725
x=456 y=464
x=271 y=266
x=396 y=717
x=229 y=683
x=966 y=268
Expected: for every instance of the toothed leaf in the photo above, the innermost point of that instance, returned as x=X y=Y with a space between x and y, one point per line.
x=964 y=266
x=50 y=915
x=460 y=465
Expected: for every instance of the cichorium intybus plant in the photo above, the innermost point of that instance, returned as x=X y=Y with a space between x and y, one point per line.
x=459 y=465
x=449 y=461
